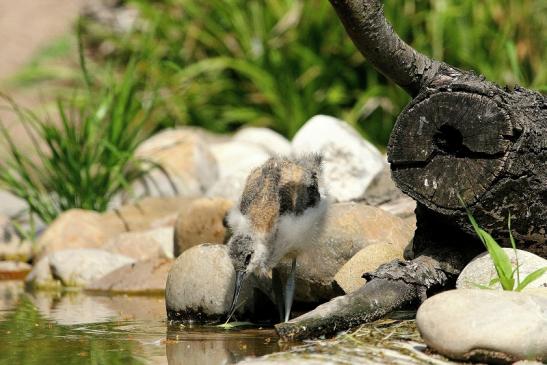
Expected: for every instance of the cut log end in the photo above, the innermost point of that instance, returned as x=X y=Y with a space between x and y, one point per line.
x=450 y=143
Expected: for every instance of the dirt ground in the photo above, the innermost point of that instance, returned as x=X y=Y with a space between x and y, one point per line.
x=26 y=26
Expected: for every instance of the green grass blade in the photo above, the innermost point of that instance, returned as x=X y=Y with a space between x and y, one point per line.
x=531 y=277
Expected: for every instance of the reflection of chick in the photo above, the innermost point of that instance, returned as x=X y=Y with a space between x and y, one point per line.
x=280 y=213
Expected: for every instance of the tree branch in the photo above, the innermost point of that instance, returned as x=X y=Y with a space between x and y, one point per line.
x=367 y=26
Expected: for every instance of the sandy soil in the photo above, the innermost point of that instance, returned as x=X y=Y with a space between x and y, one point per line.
x=26 y=26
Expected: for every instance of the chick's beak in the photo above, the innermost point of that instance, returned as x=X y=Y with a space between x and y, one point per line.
x=240 y=275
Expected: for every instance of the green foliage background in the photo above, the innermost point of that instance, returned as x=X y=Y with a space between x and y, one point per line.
x=222 y=64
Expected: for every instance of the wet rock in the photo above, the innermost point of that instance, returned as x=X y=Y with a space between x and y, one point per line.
x=348 y=228
x=271 y=142
x=143 y=245
x=481 y=270
x=350 y=162
x=77 y=228
x=188 y=168
x=41 y=277
x=202 y=222
x=350 y=276
x=14 y=270
x=145 y=277
x=16 y=250
x=485 y=325
x=200 y=285
x=79 y=267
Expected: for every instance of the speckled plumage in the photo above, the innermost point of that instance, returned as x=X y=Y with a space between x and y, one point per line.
x=280 y=212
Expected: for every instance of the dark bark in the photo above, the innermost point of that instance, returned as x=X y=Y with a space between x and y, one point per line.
x=373 y=35
x=460 y=135
x=469 y=137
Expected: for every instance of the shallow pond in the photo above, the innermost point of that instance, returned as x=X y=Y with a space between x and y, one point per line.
x=75 y=328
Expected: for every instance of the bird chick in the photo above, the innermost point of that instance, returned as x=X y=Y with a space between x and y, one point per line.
x=280 y=214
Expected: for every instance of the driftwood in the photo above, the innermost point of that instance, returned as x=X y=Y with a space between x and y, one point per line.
x=460 y=135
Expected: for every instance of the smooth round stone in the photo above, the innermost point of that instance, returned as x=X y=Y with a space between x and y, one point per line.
x=481 y=270
x=485 y=325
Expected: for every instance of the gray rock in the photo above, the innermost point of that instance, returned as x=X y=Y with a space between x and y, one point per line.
x=11 y=205
x=485 y=325
x=382 y=188
x=41 y=276
x=79 y=267
x=481 y=270
x=202 y=222
x=143 y=245
x=271 y=142
x=348 y=228
x=200 y=285
x=7 y=231
x=16 y=250
x=188 y=166
x=350 y=162
x=145 y=277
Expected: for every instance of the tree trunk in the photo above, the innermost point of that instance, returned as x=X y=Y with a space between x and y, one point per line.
x=460 y=135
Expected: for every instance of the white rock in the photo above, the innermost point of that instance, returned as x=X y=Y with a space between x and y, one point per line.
x=236 y=156
x=473 y=324
x=481 y=270
x=189 y=168
x=235 y=161
x=350 y=162
x=271 y=142
x=11 y=205
x=78 y=267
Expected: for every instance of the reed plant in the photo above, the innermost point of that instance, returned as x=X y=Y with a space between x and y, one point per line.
x=84 y=156
x=223 y=64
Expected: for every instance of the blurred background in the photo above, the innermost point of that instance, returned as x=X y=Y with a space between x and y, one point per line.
x=90 y=80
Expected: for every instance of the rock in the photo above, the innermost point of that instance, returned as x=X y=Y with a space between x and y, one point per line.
x=236 y=160
x=485 y=325
x=79 y=267
x=188 y=168
x=236 y=156
x=143 y=245
x=7 y=231
x=149 y=213
x=349 y=227
x=350 y=162
x=202 y=222
x=350 y=276
x=11 y=205
x=271 y=142
x=77 y=228
x=16 y=250
x=200 y=285
x=145 y=277
x=481 y=270
x=382 y=188
x=13 y=270
x=402 y=207
x=41 y=277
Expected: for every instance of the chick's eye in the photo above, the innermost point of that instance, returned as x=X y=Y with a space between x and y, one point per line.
x=247 y=259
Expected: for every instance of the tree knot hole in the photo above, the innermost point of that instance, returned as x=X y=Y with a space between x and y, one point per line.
x=449 y=140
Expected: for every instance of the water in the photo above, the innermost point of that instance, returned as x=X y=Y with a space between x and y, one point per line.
x=75 y=328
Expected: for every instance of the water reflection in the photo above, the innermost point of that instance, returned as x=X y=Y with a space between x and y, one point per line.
x=75 y=328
